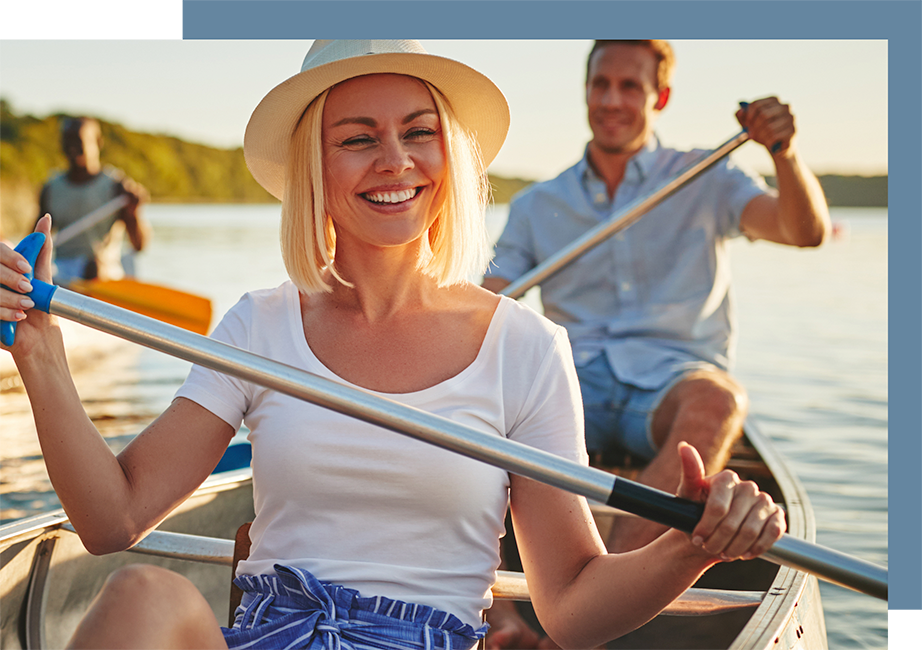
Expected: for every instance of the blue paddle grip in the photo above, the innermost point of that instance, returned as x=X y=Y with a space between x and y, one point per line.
x=41 y=295
x=41 y=292
x=775 y=147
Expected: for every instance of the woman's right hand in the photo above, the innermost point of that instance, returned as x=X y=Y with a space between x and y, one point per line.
x=739 y=520
x=14 y=305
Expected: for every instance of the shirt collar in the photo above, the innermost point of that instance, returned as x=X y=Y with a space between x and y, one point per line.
x=638 y=167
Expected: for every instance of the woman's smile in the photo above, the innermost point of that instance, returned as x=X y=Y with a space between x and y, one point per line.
x=391 y=197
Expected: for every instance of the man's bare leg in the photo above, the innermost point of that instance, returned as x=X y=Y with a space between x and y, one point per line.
x=706 y=409
x=144 y=606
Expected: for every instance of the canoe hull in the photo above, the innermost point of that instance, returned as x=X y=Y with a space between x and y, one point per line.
x=64 y=578
x=48 y=580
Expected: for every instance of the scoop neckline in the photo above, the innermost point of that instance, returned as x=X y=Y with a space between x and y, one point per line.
x=314 y=364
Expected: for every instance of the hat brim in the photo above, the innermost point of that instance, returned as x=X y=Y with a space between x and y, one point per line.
x=477 y=102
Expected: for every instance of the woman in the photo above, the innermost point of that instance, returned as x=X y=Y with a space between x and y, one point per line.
x=361 y=536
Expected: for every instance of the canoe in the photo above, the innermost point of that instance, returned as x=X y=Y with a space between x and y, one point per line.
x=778 y=607
x=47 y=579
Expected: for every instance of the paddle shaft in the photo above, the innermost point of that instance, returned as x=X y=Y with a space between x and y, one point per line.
x=495 y=450
x=88 y=221
x=823 y=562
x=620 y=220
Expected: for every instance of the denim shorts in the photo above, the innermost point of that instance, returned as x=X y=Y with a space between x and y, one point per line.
x=619 y=415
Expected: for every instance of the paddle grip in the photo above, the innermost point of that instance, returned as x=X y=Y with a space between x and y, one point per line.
x=655 y=505
x=41 y=295
x=41 y=292
x=775 y=147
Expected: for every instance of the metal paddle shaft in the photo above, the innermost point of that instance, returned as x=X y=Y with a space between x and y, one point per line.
x=620 y=220
x=495 y=450
x=825 y=563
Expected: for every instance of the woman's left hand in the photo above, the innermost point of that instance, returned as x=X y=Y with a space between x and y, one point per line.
x=739 y=520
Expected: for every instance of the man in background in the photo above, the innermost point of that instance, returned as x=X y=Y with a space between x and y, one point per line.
x=96 y=251
x=648 y=311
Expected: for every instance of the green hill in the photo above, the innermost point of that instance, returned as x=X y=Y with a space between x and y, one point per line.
x=177 y=171
x=851 y=191
x=841 y=191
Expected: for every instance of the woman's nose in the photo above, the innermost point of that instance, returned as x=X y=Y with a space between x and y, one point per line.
x=395 y=157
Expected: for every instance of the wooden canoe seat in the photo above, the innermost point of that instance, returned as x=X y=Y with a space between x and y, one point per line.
x=241 y=552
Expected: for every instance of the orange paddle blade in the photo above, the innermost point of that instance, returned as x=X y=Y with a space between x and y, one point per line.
x=171 y=306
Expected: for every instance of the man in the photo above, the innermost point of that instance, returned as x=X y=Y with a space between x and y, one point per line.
x=84 y=187
x=648 y=311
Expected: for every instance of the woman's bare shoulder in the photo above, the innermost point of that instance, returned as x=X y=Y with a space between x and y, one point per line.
x=475 y=296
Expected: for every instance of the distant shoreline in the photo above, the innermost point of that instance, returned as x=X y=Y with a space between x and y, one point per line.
x=177 y=171
x=19 y=200
x=841 y=191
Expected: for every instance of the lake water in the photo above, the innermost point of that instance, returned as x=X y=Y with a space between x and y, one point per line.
x=812 y=353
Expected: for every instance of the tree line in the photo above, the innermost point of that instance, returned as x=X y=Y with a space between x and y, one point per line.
x=174 y=170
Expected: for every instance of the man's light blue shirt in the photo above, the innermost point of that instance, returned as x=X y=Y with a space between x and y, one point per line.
x=655 y=297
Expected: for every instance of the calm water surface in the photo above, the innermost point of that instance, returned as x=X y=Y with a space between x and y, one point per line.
x=812 y=352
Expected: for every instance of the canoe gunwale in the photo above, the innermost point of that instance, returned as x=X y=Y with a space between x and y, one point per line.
x=37 y=593
x=789 y=589
x=24 y=529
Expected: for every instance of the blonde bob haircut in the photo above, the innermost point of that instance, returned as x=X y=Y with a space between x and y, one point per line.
x=457 y=246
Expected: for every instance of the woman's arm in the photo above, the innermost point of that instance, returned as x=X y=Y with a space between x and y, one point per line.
x=585 y=597
x=112 y=501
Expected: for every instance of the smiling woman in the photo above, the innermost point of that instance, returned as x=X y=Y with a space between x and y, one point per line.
x=401 y=180
x=473 y=126
x=360 y=538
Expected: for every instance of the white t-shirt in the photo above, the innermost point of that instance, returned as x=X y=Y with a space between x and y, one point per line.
x=375 y=510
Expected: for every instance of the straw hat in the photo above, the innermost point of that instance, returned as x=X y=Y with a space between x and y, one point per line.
x=476 y=101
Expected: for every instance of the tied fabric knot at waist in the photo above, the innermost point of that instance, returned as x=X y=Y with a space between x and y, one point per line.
x=296 y=610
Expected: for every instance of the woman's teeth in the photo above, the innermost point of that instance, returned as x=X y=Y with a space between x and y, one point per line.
x=390 y=197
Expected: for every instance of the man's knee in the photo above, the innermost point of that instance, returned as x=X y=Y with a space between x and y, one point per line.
x=709 y=404
x=718 y=393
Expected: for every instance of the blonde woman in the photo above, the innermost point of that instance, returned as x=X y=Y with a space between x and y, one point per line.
x=363 y=538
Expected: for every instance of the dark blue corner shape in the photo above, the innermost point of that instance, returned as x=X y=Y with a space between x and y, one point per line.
x=905 y=443
x=309 y=19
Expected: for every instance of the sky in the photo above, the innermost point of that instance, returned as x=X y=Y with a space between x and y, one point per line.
x=204 y=91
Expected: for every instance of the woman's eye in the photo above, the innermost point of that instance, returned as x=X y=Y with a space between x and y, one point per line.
x=358 y=141
x=421 y=133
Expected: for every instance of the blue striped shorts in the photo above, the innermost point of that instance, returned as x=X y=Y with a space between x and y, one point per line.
x=296 y=610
